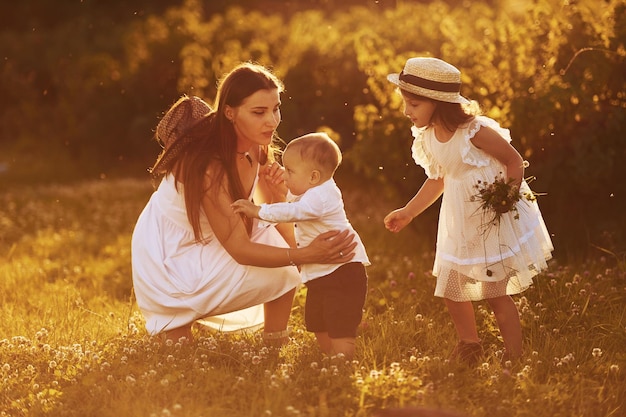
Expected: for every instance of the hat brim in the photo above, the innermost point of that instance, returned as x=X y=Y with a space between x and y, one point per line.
x=425 y=92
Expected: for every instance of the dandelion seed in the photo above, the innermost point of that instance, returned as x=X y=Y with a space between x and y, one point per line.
x=314 y=365
x=165 y=382
x=596 y=352
x=130 y=379
x=451 y=375
x=614 y=368
x=256 y=360
x=52 y=364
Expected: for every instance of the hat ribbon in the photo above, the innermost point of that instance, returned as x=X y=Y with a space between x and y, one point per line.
x=430 y=84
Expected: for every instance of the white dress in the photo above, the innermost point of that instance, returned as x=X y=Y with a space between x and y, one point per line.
x=475 y=259
x=178 y=281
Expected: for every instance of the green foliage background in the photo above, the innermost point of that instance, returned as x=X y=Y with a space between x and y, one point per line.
x=82 y=85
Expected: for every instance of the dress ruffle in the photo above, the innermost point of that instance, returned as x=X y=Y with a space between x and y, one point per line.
x=472 y=155
x=422 y=156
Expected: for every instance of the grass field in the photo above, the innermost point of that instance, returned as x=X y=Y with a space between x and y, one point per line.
x=72 y=342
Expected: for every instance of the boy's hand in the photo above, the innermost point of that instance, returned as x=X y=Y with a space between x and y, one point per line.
x=247 y=208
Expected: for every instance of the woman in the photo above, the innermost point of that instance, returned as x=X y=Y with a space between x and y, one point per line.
x=192 y=256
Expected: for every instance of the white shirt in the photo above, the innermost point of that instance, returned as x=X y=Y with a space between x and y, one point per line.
x=320 y=209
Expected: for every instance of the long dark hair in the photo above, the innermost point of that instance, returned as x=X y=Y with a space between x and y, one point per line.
x=214 y=141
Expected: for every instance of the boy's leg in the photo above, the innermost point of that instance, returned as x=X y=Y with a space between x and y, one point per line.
x=332 y=346
x=508 y=320
x=324 y=342
x=334 y=306
x=344 y=345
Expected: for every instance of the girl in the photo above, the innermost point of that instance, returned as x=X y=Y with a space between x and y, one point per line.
x=482 y=253
x=192 y=257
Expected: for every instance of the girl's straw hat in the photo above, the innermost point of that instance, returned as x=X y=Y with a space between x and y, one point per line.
x=431 y=78
x=173 y=127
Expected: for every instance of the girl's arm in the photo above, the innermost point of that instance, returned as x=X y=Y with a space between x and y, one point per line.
x=229 y=229
x=495 y=145
x=430 y=191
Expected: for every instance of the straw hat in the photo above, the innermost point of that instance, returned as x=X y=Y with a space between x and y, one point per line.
x=431 y=78
x=171 y=130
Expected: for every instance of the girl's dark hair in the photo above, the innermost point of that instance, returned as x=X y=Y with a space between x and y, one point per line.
x=214 y=141
x=450 y=115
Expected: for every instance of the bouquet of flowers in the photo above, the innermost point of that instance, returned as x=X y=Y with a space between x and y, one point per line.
x=495 y=199
x=499 y=197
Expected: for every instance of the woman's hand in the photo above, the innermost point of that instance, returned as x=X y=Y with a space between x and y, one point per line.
x=273 y=183
x=329 y=248
x=397 y=220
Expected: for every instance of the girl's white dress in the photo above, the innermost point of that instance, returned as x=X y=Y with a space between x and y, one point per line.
x=476 y=259
x=178 y=281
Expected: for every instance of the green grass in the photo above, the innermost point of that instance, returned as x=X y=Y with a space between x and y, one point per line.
x=72 y=342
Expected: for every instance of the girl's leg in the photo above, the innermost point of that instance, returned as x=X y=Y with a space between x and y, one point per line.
x=469 y=349
x=462 y=314
x=276 y=318
x=508 y=320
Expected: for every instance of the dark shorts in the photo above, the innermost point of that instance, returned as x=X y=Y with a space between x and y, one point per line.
x=334 y=303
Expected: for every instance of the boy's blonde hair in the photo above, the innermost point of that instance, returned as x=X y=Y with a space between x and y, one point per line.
x=319 y=149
